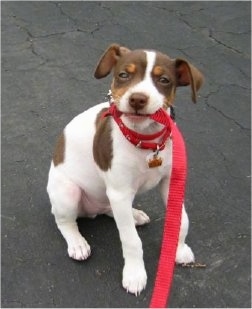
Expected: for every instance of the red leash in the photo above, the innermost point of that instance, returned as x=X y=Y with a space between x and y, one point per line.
x=172 y=222
x=175 y=199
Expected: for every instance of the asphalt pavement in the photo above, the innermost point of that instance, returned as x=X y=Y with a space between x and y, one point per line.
x=49 y=52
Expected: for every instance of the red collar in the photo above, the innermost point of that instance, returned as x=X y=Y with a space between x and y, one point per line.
x=141 y=140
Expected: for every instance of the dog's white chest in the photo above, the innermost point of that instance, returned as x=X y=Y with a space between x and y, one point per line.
x=132 y=167
x=152 y=176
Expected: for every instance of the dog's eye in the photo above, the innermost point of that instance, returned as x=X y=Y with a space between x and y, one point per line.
x=124 y=75
x=164 y=80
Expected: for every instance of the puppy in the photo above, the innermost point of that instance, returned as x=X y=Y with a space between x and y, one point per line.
x=100 y=161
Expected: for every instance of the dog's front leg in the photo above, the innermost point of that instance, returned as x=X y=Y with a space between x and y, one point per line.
x=134 y=273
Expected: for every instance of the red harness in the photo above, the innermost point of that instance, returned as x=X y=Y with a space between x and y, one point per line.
x=175 y=199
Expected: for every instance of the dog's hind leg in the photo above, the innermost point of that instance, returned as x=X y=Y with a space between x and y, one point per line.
x=65 y=196
x=184 y=253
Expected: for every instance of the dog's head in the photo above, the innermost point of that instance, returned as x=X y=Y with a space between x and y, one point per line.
x=146 y=80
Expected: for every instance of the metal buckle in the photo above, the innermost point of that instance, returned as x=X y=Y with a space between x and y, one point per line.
x=109 y=97
x=139 y=144
x=157 y=151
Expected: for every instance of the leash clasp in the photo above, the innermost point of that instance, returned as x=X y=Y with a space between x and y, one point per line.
x=156 y=152
x=109 y=97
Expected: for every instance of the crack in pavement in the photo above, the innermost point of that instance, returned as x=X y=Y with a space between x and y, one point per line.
x=246 y=130
x=233 y=33
x=227 y=164
x=213 y=38
x=74 y=21
x=58 y=5
x=30 y=38
x=12 y=302
x=180 y=16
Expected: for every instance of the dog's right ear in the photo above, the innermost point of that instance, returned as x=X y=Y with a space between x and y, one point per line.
x=109 y=59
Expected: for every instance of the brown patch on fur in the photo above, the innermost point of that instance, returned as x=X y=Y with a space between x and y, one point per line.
x=164 y=66
x=131 y=68
x=134 y=61
x=102 y=144
x=188 y=74
x=158 y=71
x=117 y=93
x=179 y=73
x=109 y=59
x=59 y=151
x=170 y=99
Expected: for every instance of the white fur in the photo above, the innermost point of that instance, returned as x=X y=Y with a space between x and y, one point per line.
x=78 y=187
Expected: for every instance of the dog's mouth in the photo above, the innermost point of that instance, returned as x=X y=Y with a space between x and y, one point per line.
x=136 y=116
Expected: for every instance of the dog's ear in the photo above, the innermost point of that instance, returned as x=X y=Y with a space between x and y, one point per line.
x=187 y=74
x=109 y=59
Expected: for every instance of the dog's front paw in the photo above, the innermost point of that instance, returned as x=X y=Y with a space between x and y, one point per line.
x=134 y=278
x=184 y=254
x=140 y=217
x=79 y=249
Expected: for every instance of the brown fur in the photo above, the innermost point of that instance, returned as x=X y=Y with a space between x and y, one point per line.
x=131 y=68
x=187 y=74
x=109 y=59
x=170 y=99
x=133 y=63
x=158 y=71
x=164 y=66
x=102 y=145
x=59 y=151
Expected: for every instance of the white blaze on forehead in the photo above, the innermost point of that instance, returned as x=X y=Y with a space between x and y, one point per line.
x=150 y=58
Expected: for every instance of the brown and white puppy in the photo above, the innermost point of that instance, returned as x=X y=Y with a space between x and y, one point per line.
x=96 y=170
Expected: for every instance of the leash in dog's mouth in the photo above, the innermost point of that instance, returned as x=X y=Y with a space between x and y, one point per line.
x=136 y=115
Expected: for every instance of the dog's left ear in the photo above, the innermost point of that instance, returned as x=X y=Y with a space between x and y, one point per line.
x=187 y=74
x=109 y=59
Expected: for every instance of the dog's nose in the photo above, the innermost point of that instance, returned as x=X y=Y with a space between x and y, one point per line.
x=138 y=101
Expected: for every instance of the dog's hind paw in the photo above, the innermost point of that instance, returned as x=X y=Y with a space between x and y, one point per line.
x=184 y=254
x=140 y=217
x=79 y=249
x=134 y=278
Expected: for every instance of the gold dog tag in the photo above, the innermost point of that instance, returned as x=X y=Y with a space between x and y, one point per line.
x=154 y=160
